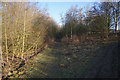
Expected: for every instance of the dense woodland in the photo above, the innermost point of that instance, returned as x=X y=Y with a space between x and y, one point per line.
x=27 y=29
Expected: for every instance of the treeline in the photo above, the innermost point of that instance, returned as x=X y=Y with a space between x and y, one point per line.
x=25 y=29
x=96 y=20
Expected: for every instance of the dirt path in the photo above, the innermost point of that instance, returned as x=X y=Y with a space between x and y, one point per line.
x=75 y=61
x=104 y=65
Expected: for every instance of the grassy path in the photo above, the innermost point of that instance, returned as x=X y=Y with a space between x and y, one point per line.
x=73 y=61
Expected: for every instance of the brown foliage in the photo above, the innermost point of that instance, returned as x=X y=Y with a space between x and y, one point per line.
x=50 y=40
x=75 y=39
x=65 y=40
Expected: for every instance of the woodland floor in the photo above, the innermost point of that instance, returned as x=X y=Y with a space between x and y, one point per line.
x=85 y=60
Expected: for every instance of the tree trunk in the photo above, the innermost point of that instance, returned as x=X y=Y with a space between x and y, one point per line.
x=24 y=34
x=71 y=32
x=6 y=42
x=117 y=15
